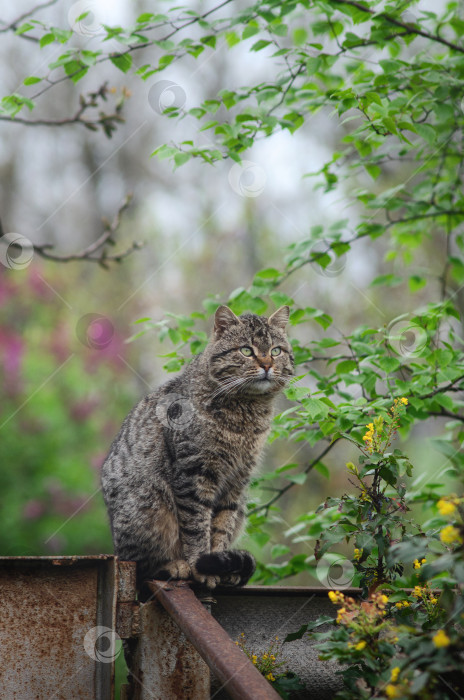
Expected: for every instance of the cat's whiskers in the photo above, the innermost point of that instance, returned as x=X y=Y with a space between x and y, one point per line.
x=228 y=384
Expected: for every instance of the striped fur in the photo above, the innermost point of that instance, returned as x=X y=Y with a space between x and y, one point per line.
x=176 y=476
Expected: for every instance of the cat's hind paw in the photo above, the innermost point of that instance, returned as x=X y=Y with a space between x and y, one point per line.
x=179 y=569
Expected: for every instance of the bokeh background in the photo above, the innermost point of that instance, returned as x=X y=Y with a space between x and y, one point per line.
x=70 y=374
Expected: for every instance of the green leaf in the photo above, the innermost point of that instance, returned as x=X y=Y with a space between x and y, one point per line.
x=279 y=550
x=346 y=366
x=315 y=408
x=297 y=478
x=32 y=80
x=389 y=364
x=122 y=61
x=251 y=29
x=23 y=28
x=386 y=281
x=261 y=44
x=416 y=283
x=46 y=39
x=427 y=132
x=322 y=469
x=300 y=36
x=181 y=157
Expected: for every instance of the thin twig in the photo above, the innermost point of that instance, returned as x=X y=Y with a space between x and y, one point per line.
x=99 y=246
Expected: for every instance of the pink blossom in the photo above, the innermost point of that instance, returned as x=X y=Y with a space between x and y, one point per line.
x=33 y=509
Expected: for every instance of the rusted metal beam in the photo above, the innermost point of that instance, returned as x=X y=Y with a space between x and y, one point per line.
x=240 y=679
x=163 y=663
x=127 y=610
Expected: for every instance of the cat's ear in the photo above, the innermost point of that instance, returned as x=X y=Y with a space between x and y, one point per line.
x=279 y=318
x=223 y=319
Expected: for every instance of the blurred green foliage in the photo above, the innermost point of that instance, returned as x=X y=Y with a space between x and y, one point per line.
x=54 y=418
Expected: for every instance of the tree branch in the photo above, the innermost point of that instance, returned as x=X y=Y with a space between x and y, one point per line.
x=106 y=121
x=280 y=492
x=99 y=246
x=411 y=28
x=14 y=25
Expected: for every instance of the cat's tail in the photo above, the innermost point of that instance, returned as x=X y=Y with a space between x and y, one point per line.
x=223 y=564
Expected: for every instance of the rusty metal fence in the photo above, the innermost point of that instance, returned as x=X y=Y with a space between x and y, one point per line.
x=64 y=619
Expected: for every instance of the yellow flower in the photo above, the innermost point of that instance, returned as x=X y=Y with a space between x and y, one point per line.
x=383 y=599
x=264 y=656
x=441 y=639
x=392 y=691
x=417 y=564
x=404 y=401
x=358 y=554
x=370 y=426
x=360 y=645
x=417 y=591
x=395 y=672
x=434 y=601
x=445 y=507
x=335 y=597
x=450 y=534
x=399 y=605
x=270 y=677
x=423 y=561
x=406 y=603
x=254 y=658
x=340 y=614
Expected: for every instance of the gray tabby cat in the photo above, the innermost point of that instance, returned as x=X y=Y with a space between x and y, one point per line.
x=175 y=479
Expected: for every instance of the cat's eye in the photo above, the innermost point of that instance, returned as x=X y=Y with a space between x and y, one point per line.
x=248 y=352
x=275 y=352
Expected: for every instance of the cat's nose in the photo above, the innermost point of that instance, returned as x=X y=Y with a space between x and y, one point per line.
x=266 y=365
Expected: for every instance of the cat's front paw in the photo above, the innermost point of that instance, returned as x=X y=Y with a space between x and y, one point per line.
x=234 y=567
x=231 y=580
x=204 y=579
